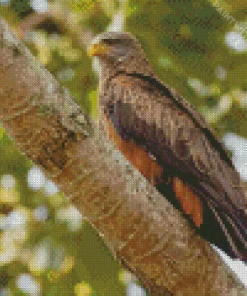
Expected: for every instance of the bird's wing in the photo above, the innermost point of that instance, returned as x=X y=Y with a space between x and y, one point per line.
x=144 y=112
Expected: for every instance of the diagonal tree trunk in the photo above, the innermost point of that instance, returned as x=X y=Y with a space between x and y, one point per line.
x=141 y=228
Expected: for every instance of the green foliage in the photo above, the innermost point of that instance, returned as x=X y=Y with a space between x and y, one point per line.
x=21 y=7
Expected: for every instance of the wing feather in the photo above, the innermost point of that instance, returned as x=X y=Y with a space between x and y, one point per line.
x=144 y=110
x=177 y=138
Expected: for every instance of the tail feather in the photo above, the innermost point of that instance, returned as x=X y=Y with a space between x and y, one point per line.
x=237 y=230
x=234 y=230
x=224 y=223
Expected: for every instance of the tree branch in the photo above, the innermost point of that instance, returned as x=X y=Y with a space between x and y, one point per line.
x=139 y=225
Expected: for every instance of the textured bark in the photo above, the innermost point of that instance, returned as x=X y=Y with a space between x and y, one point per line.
x=141 y=228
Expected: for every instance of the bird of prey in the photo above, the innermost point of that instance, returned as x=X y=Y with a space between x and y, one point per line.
x=170 y=143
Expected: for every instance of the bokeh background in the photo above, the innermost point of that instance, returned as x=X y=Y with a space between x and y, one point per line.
x=198 y=47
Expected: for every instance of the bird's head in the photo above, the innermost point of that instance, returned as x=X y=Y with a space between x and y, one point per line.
x=119 y=51
x=115 y=47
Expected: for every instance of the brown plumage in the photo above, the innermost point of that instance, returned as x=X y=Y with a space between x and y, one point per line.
x=170 y=143
x=137 y=155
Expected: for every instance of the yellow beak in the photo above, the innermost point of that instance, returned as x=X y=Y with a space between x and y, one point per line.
x=98 y=49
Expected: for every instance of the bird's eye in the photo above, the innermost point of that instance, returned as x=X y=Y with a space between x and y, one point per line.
x=112 y=41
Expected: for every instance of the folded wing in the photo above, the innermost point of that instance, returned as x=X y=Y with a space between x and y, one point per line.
x=143 y=110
